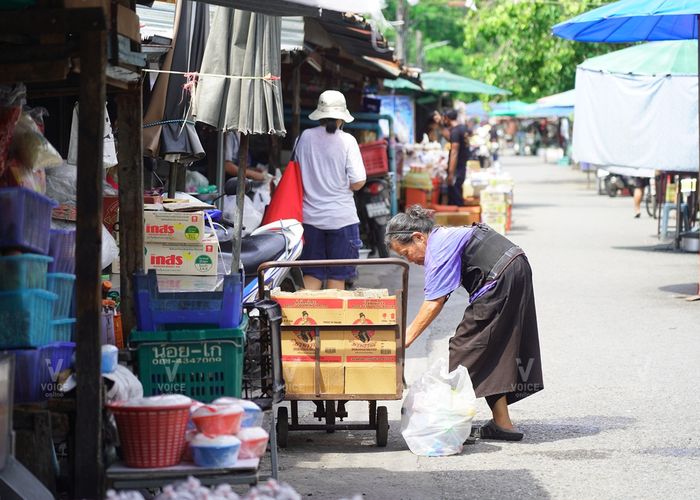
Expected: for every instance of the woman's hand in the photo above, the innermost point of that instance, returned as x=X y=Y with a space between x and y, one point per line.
x=426 y=314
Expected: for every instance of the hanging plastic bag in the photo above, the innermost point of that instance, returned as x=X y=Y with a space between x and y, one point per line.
x=438 y=411
x=109 y=151
x=251 y=217
x=30 y=146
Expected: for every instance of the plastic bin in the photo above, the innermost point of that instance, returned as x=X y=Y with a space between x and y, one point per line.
x=23 y=271
x=26 y=220
x=187 y=310
x=37 y=370
x=25 y=318
x=202 y=364
x=62 y=285
x=62 y=249
x=62 y=329
x=375 y=157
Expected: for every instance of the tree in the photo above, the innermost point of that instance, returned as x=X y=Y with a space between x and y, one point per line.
x=507 y=43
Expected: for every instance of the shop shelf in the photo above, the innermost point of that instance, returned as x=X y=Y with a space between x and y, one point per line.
x=182 y=310
x=202 y=364
x=374 y=156
x=62 y=329
x=62 y=285
x=25 y=221
x=36 y=371
x=62 y=249
x=23 y=271
x=25 y=316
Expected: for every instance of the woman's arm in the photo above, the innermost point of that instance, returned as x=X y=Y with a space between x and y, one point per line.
x=428 y=311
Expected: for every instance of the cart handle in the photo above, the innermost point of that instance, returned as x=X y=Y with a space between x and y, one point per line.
x=390 y=261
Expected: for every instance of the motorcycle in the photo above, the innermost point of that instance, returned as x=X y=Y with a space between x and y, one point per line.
x=374 y=210
x=281 y=240
x=612 y=184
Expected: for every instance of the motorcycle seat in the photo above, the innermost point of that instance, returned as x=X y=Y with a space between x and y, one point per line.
x=260 y=248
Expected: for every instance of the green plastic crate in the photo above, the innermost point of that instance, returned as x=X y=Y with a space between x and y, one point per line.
x=202 y=364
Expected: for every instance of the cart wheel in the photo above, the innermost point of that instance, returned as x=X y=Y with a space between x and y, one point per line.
x=282 y=427
x=382 y=426
x=330 y=416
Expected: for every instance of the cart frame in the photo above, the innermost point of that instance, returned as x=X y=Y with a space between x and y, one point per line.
x=378 y=416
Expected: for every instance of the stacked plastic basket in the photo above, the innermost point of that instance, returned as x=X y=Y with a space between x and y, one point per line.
x=35 y=303
x=190 y=343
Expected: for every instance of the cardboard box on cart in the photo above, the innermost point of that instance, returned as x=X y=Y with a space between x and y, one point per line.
x=299 y=362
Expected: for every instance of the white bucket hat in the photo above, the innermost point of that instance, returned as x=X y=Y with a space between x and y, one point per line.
x=331 y=104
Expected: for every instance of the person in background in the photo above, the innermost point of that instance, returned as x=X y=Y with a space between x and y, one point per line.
x=232 y=144
x=640 y=183
x=459 y=154
x=433 y=128
x=498 y=339
x=331 y=170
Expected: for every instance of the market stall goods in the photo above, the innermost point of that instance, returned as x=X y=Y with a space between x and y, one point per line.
x=253 y=416
x=217 y=420
x=215 y=452
x=253 y=442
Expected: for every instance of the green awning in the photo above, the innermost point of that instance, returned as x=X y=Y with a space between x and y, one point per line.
x=510 y=108
x=444 y=81
x=675 y=57
x=401 y=84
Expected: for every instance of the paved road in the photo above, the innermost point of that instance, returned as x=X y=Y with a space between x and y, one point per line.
x=621 y=356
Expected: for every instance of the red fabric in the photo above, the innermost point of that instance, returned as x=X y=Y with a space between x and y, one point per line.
x=287 y=200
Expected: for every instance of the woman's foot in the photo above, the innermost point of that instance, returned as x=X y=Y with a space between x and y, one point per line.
x=491 y=430
x=637 y=215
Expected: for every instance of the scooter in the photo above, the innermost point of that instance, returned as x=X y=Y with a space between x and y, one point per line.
x=281 y=240
x=374 y=209
x=612 y=184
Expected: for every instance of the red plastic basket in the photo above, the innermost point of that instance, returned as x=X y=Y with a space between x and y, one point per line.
x=375 y=158
x=153 y=436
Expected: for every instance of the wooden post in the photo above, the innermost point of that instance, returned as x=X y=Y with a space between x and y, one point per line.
x=89 y=477
x=130 y=153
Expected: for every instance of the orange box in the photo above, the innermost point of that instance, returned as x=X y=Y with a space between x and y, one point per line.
x=370 y=311
x=310 y=310
x=299 y=362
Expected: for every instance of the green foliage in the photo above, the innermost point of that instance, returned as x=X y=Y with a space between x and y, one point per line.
x=507 y=43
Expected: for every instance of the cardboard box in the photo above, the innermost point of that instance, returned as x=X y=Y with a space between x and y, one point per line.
x=173 y=227
x=371 y=311
x=302 y=309
x=186 y=259
x=370 y=362
x=456 y=219
x=299 y=362
x=110 y=208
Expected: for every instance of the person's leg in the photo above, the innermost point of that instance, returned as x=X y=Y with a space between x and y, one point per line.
x=314 y=249
x=311 y=283
x=343 y=243
x=499 y=408
x=638 y=195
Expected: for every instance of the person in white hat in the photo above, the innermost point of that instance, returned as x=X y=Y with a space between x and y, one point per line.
x=331 y=169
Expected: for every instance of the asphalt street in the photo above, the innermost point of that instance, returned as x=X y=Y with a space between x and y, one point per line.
x=618 y=417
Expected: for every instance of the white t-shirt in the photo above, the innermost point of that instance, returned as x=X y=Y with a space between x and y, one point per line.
x=329 y=164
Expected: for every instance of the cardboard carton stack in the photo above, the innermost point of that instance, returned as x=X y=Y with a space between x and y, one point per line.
x=175 y=243
x=352 y=360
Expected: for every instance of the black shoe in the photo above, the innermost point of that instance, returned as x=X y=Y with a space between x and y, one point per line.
x=637 y=216
x=493 y=431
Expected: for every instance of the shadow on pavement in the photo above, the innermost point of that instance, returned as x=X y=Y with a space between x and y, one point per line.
x=681 y=289
x=662 y=247
x=549 y=431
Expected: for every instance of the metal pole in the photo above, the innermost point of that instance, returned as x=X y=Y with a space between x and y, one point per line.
x=220 y=170
x=240 y=194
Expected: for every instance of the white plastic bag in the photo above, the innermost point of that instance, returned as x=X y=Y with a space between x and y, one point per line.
x=251 y=217
x=109 y=150
x=436 y=417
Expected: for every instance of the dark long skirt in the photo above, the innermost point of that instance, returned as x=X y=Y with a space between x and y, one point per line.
x=497 y=340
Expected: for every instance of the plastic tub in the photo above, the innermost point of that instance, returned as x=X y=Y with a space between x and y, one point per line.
x=253 y=416
x=151 y=436
x=62 y=249
x=215 y=453
x=217 y=420
x=110 y=358
x=253 y=442
x=37 y=371
x=23 y=271
x=62 y=285
x=62 y=329
x=25 y=316
x=26 y=220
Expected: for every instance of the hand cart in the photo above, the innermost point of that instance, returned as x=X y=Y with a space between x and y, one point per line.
x=330 y=406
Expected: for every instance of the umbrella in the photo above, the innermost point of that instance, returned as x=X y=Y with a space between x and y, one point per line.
x=510 y=108
x=674 y=58
x=636 y=21
x=476 y=109
x=401 y=84
x=168 y=127
x=444 y=81
x=239 y=87
x=563 y=99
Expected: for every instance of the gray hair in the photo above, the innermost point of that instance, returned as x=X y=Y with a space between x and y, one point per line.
x=402 y=226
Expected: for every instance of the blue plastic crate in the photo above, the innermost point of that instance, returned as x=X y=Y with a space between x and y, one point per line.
x=25 y=316
x=37 y=370
x=187 y=310
x=25 y=270
x=26 y=220
x=62 y=329
x=62 y=249
x=62 y=285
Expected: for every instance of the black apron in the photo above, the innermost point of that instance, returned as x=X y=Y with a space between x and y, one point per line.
x=497 y=340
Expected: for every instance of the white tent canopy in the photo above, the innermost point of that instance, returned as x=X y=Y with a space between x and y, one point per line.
x=561 y=100
x=636 y=121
